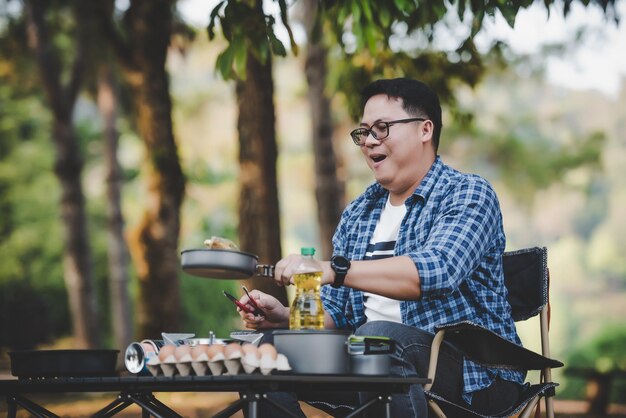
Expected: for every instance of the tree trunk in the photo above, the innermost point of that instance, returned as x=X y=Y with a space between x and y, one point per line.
x=154 y=242
x=259 y=224
x=77 y=261
x=329 y=189
x=121 y=306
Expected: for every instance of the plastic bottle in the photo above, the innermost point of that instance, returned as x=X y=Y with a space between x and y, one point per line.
x=306 y=310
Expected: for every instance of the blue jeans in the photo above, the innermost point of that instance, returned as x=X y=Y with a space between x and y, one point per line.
x=410 y=359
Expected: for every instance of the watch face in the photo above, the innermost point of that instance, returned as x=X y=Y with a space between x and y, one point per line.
x=341 y=261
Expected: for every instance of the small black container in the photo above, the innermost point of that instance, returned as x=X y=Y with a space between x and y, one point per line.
x=370 y=355
x=63 y=363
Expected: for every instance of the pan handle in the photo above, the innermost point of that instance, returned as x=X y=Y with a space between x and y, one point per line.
x=265 y=270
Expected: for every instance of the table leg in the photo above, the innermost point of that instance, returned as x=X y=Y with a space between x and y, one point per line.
x=279 y=406
x=387 y=401
x=114 y=407
x=164 y=408
x=232 y=408
x=253 y=406
x=37 y=410
x=11 y=407
x=148 y=407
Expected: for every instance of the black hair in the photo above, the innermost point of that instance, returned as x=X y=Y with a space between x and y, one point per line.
x=418 y=100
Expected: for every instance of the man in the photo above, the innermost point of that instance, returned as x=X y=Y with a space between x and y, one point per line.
x=422 y=247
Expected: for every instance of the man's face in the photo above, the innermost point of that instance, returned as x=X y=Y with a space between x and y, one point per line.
x=400 y=161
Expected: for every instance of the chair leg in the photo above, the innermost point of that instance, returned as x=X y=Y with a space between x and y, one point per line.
x=436 y=409
x=434 y=357
x=549 y=407
x=529 y=407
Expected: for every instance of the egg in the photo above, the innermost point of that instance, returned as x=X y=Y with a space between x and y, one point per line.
x=267 y=350
x=215 y=352
x=250 y=358
x=182 y=353
x=183 y=358
x=168 y=360
x=167 y=353
x=267 y=353
x=282 y=363
x=250 y=350
x=233 y=354
x=199 y=353
x=232 y=351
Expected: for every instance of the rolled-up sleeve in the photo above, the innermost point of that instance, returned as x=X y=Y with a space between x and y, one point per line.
x=460 y=235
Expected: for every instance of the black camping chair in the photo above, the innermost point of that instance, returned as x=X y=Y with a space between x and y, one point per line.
x=527 y=280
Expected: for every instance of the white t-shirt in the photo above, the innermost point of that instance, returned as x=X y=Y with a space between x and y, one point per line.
x=382 y=246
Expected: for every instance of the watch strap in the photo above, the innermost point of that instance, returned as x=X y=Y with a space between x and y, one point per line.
x=340 y=271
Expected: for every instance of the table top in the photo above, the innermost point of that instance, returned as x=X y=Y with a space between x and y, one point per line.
x=224 y=383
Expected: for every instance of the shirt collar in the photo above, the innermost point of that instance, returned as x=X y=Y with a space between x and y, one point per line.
x=425 y=188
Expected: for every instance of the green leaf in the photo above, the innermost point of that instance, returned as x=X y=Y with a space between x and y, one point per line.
x=367 y=10
x=401 y=4
x=277 y=46
x=262 y=52
x=385 y=17
x=224 y=62
x=370 y=38
x=356 y=13
x=213 y=19
x=477 y=22
x=342 y=13
x=461 y=9
x=241 y=58
x=285 y=21
x=509 y=13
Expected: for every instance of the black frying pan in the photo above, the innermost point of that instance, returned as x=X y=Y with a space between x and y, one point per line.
x=63 y=363
x=223 y=264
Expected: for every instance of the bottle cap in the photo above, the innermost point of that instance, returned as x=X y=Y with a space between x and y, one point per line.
x=307 y=251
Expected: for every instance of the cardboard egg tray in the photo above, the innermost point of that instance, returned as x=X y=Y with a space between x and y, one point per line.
x=217 y=359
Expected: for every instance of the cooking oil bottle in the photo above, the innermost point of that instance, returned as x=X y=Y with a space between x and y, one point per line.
x=306 y=310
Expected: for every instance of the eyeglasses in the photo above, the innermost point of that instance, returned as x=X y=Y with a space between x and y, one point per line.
x=380 y=130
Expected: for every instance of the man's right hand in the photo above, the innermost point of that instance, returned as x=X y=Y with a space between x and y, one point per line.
x=275 y=315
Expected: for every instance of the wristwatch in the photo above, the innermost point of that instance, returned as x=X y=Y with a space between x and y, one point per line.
x=340 y=266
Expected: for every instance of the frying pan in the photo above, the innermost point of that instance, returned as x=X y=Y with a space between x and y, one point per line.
x=63 y=363
x=223 y=264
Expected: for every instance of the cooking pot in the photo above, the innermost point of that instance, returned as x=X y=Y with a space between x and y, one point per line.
x=314 y=351
x=223 y=264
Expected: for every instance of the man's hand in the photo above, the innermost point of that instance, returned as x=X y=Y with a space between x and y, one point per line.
x=275 y=315
x=285 y=269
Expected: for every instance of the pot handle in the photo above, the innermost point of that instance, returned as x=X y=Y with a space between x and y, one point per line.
x=370 y=345
x=265 y=270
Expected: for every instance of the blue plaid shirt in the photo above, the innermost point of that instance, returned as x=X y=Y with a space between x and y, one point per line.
x=453 y=233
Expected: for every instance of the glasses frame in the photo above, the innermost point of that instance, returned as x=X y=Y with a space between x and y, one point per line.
x=358 y=132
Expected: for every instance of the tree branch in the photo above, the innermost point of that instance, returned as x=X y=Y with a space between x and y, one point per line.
x=84 y=19
x=49 y=67
x=104 y=17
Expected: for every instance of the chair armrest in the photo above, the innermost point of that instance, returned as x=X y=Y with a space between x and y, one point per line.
x=491 y=350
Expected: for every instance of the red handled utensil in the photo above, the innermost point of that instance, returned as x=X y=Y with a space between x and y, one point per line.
x=257 y=310
x=240 y=305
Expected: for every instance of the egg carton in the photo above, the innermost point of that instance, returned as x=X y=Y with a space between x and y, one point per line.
x=217 y=359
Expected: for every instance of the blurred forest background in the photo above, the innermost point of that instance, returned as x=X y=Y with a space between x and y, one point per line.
x=128 y=134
